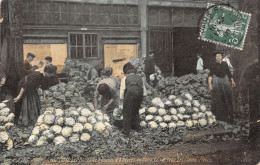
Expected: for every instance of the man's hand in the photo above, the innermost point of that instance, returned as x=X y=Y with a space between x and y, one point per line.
x=105 y=107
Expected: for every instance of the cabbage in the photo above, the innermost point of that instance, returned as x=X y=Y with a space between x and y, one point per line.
x=163 y=125
x=66 y=131
x=43 y=127
x=2 y=105
x=195 y=116
x=195 y=109
x=178 y=102
x=180 y=123
x=167 y=118
x=181 y=110
x=92 y=120
x=36 y=130
x=203 y=122
x=49 y=119
x=180 y=116
x=85 y=137
x=9 y=125
x=10 y=117
x=106 y=118
x=82 y=119
x=189 y=123
x=40 y=120
x=99 y=127
x=173 y=111
x=201 y=115
x=59 y=121
x=172 y=125
x=88 y=127
x=3 y=137
x=175 y=117
x=48 y=134
x=172 y=97
x=203 y=108
x=5 y=111
x=78 y=128
x=86 y=112
x=187 y=103
x=74 y=138
x=105 y=133
x=69 y=121
x=42 y=141
x=196 y=103
x=143 y=124
x=59 y=112
x=59 y=140
x=195 y=122
x=56 y=129
x=108 y=126
x=32 y=139
x=162 y=112
x=208 y=113
x=152 y=110
x=3 y=118
x=157 y=102
x=186 y=116
x=158 y=118
x=149 y=117
x=153 y=124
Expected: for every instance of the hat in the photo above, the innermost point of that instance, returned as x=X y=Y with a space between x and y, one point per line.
x=128 y=66
x=108 y=71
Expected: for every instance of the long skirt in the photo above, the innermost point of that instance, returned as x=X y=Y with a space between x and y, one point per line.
x=132 y=102
x=30 y=110
x=221 y=100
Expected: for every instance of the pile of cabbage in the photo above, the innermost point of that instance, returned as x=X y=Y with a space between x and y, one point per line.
x=174 y=112
x=139 y=65
x=65 y=95
x=6 y=122
x=196 y=85
x=71 y=125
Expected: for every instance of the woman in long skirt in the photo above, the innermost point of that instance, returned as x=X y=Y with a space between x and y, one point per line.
x=28 y=86
x=219 y=83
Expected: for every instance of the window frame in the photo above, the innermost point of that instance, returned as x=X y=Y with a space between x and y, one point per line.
x=83 y=45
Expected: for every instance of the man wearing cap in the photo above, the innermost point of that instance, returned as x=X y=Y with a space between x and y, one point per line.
x=199 y=66
x=28 y=68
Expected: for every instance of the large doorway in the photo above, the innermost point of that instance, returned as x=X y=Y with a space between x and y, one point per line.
x=176 y=48
x=117 y=55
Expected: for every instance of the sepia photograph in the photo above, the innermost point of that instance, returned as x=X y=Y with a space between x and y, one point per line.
x=129 y=82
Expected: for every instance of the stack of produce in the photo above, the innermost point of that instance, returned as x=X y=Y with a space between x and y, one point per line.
x=139 y=64
x=77 y=70
x=194 y=84
x=72 y=125
x=181 y=111
x=65 y=95
x=6 y=122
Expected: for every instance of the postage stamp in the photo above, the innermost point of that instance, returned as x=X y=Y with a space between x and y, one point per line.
x=225 y=26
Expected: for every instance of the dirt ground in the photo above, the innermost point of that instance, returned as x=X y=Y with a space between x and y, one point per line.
x=213 y=153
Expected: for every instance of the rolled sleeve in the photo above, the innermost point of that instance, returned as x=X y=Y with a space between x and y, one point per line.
x=122 y=88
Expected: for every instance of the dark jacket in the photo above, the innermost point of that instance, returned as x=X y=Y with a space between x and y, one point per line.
x=28 y=68
x=149 y=66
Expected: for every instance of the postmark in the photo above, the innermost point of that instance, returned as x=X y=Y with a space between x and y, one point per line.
x=225 y=26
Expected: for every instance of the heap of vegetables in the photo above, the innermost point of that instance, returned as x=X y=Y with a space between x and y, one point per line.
x=71 y=125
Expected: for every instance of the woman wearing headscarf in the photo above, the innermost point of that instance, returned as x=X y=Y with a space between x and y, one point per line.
x=219 y=83
x=132 y=91
x=28 y=87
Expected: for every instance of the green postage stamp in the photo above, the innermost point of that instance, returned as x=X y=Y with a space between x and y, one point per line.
x=225 y=26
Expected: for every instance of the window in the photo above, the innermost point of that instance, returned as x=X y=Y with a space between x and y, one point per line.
x=83 y=45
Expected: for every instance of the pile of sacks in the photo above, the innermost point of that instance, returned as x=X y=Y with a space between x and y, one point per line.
x=6 y=122
x=71 y=125
x=176 y=111
x=197 y=85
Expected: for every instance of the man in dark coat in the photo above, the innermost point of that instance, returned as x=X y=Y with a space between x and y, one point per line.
x=53 y=80
x=28 y=68
x=132 y=91
x=149 y=68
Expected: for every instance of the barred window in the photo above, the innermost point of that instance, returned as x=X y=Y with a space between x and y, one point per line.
x=83 y=45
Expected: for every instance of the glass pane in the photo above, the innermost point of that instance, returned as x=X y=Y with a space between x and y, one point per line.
x=88 y=39
x=88 y=51
x=79 y=39
x=73 y=52
x=94 y=51
x=73 y=39
x=94 y=40
x=80 y=52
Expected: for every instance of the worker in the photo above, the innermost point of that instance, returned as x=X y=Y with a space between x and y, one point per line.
x=48 y=62
x=149 y=69
x=227 y=60
x=40 y=67
x=199 y=66
x=28 y=68
x=28 y=94
x=249 y=88
x=106 y=91
x=132 y=91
